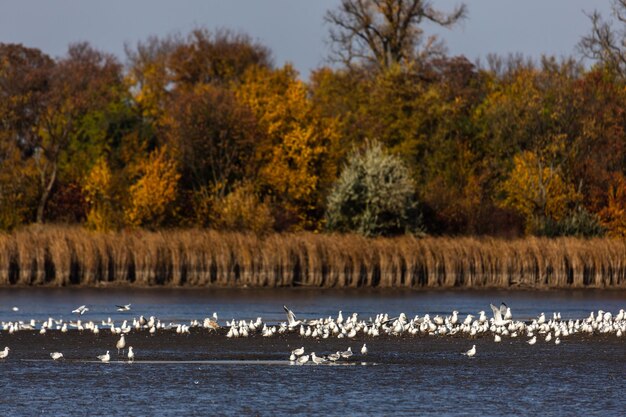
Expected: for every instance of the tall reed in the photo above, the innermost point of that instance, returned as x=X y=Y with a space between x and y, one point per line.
x=61 y=256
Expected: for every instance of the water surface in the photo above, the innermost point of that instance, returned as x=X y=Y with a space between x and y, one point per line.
x=207 y=374
x=186 y=304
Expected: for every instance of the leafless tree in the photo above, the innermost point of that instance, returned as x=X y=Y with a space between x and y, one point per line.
x=606 y=44
x=384 y=32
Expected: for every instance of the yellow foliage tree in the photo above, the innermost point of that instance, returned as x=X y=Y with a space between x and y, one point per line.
x=153 y=195
x=151 y=92
x=294 y=157
x=291 y=171
x=147 y=76
x=536 y=190
x=99 y=195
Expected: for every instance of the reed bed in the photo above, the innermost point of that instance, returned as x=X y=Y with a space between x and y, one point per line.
x=62 y=256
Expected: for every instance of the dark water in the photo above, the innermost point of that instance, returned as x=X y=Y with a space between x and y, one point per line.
x=400 y=376
x=185 y=304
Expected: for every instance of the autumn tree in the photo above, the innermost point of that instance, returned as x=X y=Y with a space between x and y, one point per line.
x=538 y=191
x=450 y=162
x=160 y=67
x=395 y=106
x=292 y=157
x=424 y=114
x=341 y=95
x=24 y=86
x=182 y=86
x=221 y=56
x=153 y=194
x=81 y=83
x=243 y=210
x=25 y=75
x=102 y=192
x=598 y=128
x=18 y=185
x=572 y=120
x=213 y=136
x=381 y=33
x=148 y=75
x=525 y=109
x=613 y=216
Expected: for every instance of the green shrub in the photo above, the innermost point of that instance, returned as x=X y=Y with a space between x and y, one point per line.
x=374 y=195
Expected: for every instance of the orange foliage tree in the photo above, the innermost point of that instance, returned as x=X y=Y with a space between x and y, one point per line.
x=153 y=195
x=537 y=191
x=295 y=148
x=613 y=216
x=100 y=194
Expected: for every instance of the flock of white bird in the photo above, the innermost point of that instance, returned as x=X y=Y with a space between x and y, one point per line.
x=298 y=356
x=499 y=326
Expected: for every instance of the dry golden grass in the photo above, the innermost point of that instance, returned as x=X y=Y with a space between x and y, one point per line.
x=60 y=256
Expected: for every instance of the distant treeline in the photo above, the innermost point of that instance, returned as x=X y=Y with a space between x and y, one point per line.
x=62 y=256
x=204 y=131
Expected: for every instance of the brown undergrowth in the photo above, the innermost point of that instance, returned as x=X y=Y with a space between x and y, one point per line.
x=60 y=256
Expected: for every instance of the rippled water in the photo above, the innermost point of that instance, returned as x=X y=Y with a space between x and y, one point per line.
x=199 y=375
x=577 y=380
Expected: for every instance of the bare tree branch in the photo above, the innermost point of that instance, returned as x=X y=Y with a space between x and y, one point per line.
x=381 y=33
x=606 y=44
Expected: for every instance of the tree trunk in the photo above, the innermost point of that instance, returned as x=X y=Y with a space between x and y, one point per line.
x=46 y=194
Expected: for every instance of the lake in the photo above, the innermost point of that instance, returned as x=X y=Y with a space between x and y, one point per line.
x=204 y=373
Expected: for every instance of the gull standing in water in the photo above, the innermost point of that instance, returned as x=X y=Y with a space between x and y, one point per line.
x=482 y=318
x=508 y=315
x=56 y=355
x=346 y=354
x=298 y=352
x=302 y=360
x=339 y=318
x=105 y=358
x=470 y=352
x=318 y=360
x=4 y=353
x=541 y=319
x=364 y=350
x=121 y=344
x=131 y=354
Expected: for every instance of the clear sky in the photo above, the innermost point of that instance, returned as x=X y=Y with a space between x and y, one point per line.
x=293 y=29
